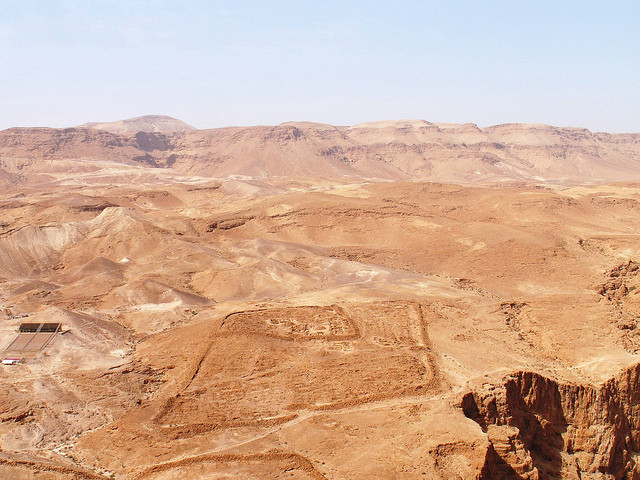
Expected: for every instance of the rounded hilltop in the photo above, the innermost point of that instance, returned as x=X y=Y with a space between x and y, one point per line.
x=146 y=123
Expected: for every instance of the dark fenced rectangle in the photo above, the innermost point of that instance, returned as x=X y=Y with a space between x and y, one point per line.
x=29 y=327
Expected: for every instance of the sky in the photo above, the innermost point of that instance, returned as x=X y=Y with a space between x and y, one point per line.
x=220 y=63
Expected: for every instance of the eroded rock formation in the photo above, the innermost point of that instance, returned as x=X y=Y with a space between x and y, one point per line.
x=540 y=428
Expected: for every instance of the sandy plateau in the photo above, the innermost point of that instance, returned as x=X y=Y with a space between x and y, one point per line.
x=446 y=317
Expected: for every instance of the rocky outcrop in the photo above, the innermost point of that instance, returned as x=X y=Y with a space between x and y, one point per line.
x=620 y=289
x=540 y=428
x=617 y=286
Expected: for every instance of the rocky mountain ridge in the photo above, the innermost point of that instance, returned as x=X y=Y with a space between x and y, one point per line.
x=392 y=150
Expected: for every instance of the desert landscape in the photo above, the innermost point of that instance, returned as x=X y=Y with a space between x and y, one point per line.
x=389 y=300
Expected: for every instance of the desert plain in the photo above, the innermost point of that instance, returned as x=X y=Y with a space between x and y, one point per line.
x=392 y=300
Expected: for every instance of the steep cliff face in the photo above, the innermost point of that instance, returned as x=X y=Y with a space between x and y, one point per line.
x=540 y=428
x=29 y=151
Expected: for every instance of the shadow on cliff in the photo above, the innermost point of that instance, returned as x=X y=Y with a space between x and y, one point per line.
x=537 y=412
x=533 y=405
x=495 y=468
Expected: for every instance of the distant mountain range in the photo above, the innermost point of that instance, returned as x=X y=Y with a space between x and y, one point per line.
x=387 y=150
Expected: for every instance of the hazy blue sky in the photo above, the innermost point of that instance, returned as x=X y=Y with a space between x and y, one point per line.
x=217 y=63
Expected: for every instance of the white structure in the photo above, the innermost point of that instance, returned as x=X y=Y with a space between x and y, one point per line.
x=12 y=361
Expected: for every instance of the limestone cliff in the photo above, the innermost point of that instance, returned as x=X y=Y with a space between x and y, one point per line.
x=540 y=428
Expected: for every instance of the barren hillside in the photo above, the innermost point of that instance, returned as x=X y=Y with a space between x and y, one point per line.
x=401 y=150
x=146 y=123
x=250 y=303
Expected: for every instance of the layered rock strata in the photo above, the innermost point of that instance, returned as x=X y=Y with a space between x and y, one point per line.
x=541 y=428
